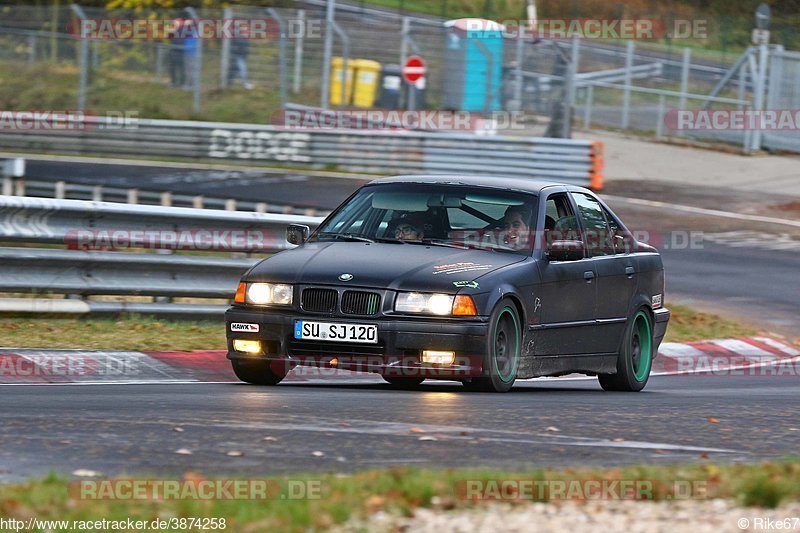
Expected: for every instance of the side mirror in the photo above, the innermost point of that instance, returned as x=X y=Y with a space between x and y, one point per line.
x=297 y=233
x=565 y=250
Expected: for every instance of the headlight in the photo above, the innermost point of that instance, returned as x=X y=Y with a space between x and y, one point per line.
x=265 y=294
x=418 y=302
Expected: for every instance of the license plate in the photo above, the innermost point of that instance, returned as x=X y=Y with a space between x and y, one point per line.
x=336 y=332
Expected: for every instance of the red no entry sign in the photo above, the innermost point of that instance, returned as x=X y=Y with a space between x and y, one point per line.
x=414 y=69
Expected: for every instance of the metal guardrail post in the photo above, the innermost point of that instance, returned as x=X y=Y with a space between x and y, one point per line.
x=518 y=81
x=298 y=51
x=159 y=61
x=587 y=110
x=326 y=54
x=32 y=48
x=225 y=53
x=660 y=122
x=345 y=58
x=742 y=84
x=626 y=95
x=760 y=90
x=569 y=90
x=83 y=59
x=685 y=70
x=406 y=42
x=281 y=54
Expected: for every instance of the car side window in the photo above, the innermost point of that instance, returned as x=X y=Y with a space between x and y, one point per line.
x=597 y=235
x=619 y=237
x=560 y=222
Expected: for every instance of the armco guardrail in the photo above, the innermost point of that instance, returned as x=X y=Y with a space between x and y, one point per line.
x=383 y=151
x=85 y=272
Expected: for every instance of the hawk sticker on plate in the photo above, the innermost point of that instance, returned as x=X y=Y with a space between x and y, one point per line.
x=242 y=326
x=467 y=284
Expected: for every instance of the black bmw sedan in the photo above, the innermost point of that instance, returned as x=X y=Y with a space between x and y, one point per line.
x=475 y=279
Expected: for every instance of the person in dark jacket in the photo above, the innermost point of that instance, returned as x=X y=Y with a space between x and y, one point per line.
x=177 y=74
x=240 y=49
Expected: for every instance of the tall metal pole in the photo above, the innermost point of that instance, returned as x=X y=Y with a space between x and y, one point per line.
x=283 y=81
x=225 y=53
x=83 y=59
x=298 y=51
x=326 y=58
x=569 y=92
x=626 y=92
x=761 y=85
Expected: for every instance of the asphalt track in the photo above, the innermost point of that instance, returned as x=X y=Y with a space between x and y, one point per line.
x=285 y=187
x=753 y=283
x=127 y=429
x=117 y=429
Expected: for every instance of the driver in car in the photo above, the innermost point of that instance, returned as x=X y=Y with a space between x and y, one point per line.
x=409 y=229
x=515 y=226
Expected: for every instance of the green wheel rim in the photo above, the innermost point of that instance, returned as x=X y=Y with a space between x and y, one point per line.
x=501 y=346
x=641 y=346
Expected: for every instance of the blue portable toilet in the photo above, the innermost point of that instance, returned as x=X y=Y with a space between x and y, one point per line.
x=473 y=59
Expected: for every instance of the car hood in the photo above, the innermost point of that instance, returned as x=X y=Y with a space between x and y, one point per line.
x=381 y=265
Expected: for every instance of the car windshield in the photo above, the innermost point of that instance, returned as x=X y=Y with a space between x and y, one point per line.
x=434 y=215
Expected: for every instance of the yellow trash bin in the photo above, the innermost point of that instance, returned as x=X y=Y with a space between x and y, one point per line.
x=366 y=74
x=337 y=78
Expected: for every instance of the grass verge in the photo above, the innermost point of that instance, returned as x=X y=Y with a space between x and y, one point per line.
x=687 y=324
x=142 y=333
x=131 y=333
x=400 y=491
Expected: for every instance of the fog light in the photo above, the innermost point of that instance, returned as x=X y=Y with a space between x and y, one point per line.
x=436 y=357
x=247 y=346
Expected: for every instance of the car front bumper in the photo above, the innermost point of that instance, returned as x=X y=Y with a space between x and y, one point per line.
x=397 y=354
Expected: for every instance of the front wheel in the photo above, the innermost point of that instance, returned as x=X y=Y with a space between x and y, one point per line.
x=635 y=357
x=502 y=351
x=257 y=372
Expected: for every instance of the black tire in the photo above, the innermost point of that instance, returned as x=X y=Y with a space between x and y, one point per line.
x=503 y=349
x=403 y=382
x=257 y=372
x=635 y=358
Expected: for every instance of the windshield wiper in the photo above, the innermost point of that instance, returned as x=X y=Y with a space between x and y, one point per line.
x=345 y=236
x=439 y=242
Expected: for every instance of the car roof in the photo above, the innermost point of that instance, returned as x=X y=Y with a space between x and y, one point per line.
x=520 y=184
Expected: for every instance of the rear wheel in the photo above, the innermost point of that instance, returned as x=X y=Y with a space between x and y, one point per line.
x=635 y=357
x=257 y=372
x=403 y=382
x=502 y=351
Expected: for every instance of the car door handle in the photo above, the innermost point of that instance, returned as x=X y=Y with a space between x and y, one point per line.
x=588 y=275
x=630 y=271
